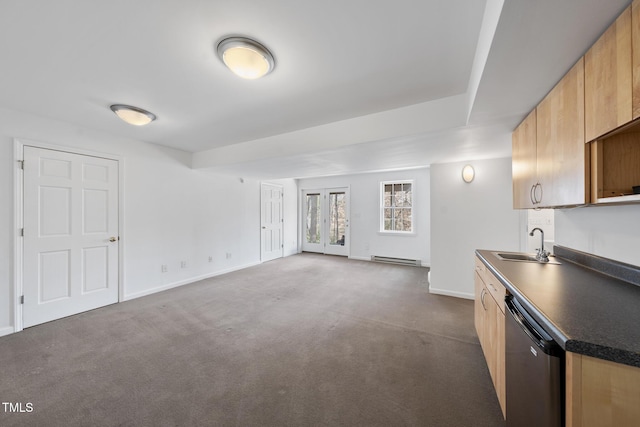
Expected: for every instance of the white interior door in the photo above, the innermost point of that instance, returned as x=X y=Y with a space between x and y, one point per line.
x=70 y=234
x=326 y=221
x=272 y=221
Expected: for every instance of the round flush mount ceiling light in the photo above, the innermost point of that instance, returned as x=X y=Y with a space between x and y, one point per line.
x=133 y=115
x=245 y=57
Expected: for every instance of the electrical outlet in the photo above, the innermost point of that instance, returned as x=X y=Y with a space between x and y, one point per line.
x=164 y=268
x=210 y=258
x=228 y=255
x=183 y=264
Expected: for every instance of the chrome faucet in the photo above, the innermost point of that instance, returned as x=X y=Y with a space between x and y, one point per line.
x=541 y=255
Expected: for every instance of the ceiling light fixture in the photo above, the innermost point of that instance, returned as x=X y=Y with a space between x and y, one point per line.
x=133 y=115
x=245 y=57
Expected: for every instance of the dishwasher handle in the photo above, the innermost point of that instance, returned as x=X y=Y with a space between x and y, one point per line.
x=529 y=326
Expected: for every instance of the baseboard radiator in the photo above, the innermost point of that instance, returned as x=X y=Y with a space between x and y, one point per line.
x=398 y=261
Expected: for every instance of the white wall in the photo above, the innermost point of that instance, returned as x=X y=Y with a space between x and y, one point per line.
x=543 y=219
x=466 y=217
x=6 y=236
x=608 y=231
x=366 y=239
x=171 y=212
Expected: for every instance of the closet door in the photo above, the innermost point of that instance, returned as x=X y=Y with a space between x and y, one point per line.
x=70 y=234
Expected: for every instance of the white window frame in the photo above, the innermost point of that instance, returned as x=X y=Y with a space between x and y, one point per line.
x=413 y=207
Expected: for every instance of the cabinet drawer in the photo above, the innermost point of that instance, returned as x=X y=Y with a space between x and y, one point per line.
x=493 y=285
x=481 y=269
x=495 y=288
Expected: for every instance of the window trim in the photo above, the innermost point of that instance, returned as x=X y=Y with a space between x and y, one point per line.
x=381 y=229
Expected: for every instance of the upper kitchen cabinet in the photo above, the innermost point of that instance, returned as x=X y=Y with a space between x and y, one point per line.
x=635 y=57
x=608 y=79
x=549 y=153
x=562 y=155
x=582 y=142
x=615 y=166
x=615 y=157
x=524 y=163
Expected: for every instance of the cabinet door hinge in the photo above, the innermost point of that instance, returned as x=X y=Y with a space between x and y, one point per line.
x=21 y=232
x=21 y=299
x=21 y=164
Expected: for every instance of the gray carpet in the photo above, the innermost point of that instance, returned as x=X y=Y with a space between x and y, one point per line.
x=307 y=340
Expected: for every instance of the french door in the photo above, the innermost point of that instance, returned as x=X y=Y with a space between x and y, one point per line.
x=326 y=221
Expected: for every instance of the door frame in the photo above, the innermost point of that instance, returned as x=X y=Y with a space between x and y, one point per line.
x=302 y=215
x=18 y=218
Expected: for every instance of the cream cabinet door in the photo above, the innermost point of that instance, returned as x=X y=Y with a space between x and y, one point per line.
x=524 y=163
x=561 y=148
x=608 y=79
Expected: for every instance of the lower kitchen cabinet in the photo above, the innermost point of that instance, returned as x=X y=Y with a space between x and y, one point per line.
x=600 y=393
x=489 y=323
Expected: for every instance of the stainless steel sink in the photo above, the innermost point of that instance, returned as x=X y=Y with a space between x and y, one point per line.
x=516 y=257
x=522 y=257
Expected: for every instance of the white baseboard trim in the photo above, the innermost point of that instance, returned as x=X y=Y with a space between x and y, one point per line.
x=464 y=295
x=362 y=258
x=186 y=282
x=7 y=330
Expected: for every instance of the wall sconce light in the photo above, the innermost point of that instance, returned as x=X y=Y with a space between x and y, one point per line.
x=468 y=173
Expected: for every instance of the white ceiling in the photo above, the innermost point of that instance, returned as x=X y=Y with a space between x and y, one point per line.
x=359 y=85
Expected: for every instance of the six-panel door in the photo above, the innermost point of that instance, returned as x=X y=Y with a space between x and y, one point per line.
x=70 y=234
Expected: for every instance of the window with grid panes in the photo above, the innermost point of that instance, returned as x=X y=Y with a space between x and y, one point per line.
x=397 y=207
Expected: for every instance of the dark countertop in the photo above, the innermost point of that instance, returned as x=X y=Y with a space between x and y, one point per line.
x=584 y=310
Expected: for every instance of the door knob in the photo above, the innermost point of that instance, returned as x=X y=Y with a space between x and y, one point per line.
x=113 y=239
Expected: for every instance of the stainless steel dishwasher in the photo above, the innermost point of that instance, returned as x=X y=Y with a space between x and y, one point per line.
x=534 y=371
